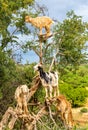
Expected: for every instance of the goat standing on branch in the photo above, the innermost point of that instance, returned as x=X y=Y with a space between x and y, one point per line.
x=21 y=96
x=40 y=22
x=49 y=81
x=64 y=108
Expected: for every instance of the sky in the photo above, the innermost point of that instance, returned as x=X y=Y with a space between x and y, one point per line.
x=57 y=10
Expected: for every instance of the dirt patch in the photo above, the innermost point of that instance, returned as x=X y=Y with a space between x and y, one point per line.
x=80 y=118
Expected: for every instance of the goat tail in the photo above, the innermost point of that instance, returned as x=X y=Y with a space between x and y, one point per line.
x=53 y=22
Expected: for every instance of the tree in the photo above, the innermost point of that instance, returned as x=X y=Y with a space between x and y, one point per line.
x=11 y=22
x=70 y=39
x=73 y=85
x=68 y=42
x=69 y=45
x=11 y=15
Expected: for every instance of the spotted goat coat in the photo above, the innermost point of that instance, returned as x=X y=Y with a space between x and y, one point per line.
x=49 y=81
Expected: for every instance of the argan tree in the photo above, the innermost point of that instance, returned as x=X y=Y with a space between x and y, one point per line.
x=70 y=39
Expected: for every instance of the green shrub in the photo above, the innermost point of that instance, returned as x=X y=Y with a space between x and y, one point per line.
x=84 y=110
x=72 y=85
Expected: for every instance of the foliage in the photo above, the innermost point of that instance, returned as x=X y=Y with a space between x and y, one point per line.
x=84 y=110
x=73 y=85
x=11 y=23
x=82 y=128
x=46 y=124
x=69 y=43
x=70 y=39
x=15 y=76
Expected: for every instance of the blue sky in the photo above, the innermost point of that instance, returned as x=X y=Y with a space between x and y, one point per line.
x=57 y=10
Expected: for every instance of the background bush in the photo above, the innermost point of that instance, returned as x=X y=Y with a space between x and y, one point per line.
x=73 y=85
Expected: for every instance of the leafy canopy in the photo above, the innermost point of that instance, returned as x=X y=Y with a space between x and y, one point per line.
x=70 y=39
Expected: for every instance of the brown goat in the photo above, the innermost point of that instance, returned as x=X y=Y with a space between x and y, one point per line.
x=21 y=96
x=40 y=22
x=64 y=108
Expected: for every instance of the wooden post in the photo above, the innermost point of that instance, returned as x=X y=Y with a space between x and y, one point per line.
x=34 y=88
x=12 y=122
x=40 y=45
x=36 y=118
x=5 y=118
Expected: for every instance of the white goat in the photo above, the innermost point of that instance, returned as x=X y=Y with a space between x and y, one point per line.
x=49 y=81
x=40 y=22
x=21 y=96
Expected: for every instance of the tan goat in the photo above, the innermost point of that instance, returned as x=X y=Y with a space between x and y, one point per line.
x=40 y=22
x=64 y=108
x=21 y=96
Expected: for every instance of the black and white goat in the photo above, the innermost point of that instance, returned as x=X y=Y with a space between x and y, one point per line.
x=49 y=81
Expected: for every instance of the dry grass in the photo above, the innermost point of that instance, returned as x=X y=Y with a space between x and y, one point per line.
x=80 y=118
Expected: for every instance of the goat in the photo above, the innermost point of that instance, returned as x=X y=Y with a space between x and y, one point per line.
x=21 y=96
x=64 y=108
x=40 y=22
x=49 y=80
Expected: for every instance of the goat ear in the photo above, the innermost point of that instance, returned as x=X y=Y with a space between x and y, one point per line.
x=58 y=99
x=41 y=63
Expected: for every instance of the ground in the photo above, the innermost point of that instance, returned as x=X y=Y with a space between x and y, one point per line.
x=80 y=118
